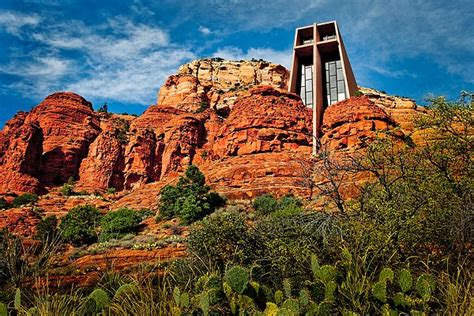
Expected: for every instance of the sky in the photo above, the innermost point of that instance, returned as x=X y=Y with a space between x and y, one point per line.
x=121 y=52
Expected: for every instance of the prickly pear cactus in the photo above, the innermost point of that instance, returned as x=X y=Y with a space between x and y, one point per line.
x=271 y=309
x=125 y=291
x=17 y=301
x=287 y=288
x=292 y=305
x=386 y=275
x=279 y=297
x=303 y=298
x=326 y=273
x=423 y=288
x=379 y=291
x=3 y=309
x=237 y=278
x=101 y=299
x=405 y=280
x=204 y=303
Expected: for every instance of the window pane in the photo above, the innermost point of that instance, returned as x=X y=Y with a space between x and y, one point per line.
x=338 y=64
x=341 y=96
x=339 y=73
x=340 y=86
x=309 y=97
x=308 y=72
x=332 y=68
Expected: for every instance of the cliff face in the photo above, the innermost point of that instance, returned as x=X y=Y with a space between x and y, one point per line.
x=234 y=120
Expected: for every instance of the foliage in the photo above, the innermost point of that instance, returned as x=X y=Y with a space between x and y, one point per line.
x=3 y=204
x=26 y=198
x=67 y=189
x=20 y=261
x=265 y=204
x=223 y=237
x=104 y=108
x=190 y=199
x=79 y=225
x=203 y=106
x=115 y=225
x=47 y=228
x=288 y=205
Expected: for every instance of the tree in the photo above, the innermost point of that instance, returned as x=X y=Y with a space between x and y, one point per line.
x=119 y=223
x=190 y=199
x=79 y=225
x=104 y=108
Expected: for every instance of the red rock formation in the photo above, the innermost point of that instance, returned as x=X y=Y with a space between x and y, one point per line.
x=182 y=92
x=102 y=169
x=267 y=120
x=251 y=139
x=351 y=123
x=69 y=125
x=20 y=221
x=21 y=159
x=142 y=159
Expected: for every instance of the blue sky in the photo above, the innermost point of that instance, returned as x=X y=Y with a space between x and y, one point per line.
x=120 y=52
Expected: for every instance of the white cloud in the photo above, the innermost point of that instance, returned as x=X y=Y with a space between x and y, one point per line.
x=268 y=54
x=134 y=80
x=39 y=67
x=204 y=30
x=119 y=60
x=14 y=21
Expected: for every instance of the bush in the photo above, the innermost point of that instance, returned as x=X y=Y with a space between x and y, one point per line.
x=79 y=225
x=47 y=228
x=27 y=198
x=3 y=204
x=222 y=238
x=265 y=204
x=190 y=199
x=115 y=225
x=67 y=189
x=288 y=205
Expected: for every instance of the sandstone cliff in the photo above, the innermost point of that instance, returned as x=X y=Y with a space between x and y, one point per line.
x=232 y=119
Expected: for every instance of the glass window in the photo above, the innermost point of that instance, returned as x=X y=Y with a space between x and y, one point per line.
x=309 y=98
x=341 y=96
x=308 y=72
x=339 y=73
x=332 y=81
x=340 y=85
x=332 y=67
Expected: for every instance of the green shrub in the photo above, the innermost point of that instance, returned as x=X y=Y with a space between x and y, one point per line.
x=287 y=206
x=79 y=225
x=203 y=106
x=265 y=204
x=3 y=204
x=26 y=198
x=47 y=228
x=67 y=189
x=190 y=199
x=111 y=190
x=115 y=225
x=223 y=237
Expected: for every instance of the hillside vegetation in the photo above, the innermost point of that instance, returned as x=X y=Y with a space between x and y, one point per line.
x=403 y=245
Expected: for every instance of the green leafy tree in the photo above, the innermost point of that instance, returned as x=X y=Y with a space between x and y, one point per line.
x=26 y=198
x=80 y=224
x=190 y=199
x=47 y=228
x=119 y=223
